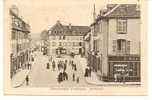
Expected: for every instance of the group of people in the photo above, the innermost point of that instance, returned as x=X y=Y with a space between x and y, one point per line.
x=74 y=69
x=61 y=66
x=62 y=76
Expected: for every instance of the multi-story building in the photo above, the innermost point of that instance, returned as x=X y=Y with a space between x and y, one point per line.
x=20 y=42
x=115 y=43
x=67 y=39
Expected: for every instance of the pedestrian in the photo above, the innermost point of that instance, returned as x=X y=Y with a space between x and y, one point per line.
x=70 y=62
x=89 y=72
x=86 y=72
x=66 y=61
x=60 y=77
x=77 y=79
x=28 y=65
x=59 y=65
x=32 y=58
x=27 y=80
x=75 y=68
x=73 y=77
x=48 y=65
x=65 y=76
x=65 y=66
x=53 y=65
x=50 y=59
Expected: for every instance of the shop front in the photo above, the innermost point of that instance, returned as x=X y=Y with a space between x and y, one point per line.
x=124 y=68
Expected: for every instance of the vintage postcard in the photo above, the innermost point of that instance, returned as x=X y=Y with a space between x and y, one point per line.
x=75 y=47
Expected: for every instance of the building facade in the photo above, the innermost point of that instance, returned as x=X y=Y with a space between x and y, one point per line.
x=20 y=42
x=115 y=43
x=67 y=39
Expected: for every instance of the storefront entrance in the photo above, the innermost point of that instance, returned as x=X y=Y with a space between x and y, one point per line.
x=124 y=68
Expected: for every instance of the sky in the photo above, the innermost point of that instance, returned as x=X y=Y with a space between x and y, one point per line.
x=43 y=14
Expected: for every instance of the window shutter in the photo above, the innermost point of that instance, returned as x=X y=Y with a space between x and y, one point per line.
x=128 y=47
x=123 y=45
x=114 y=45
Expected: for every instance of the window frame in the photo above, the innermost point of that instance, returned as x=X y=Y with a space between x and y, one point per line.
x=122 y=29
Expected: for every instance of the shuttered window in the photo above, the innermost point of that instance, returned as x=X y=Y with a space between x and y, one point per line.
x=114 y=45
x=121 y=46
x=128 y=47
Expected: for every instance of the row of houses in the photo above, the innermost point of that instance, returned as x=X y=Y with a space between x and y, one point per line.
x=20 y=42
x=112 y=47
x=111 y=44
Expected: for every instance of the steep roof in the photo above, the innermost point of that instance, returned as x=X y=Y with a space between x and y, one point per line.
x=124 y=10
x=59 y=29
x=119 y=11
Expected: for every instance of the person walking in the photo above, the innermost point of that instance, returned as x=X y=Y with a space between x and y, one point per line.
x=89 y=72
x=50 y=59
x=48 y=65
x=73 y=77
x=32 y=59
x=65 y=76
x=86 y=72
x=75 y=67
x=60 y=77
x=30 y=66
x=65 y=66
x=27 y=80
x=53 y=65
x=77 y=79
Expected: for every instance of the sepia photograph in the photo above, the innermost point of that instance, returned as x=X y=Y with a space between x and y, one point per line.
x=75 y=47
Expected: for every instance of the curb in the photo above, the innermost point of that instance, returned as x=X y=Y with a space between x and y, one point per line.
x=121 y=84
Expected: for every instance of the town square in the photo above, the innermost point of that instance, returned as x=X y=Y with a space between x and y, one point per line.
x=105 y=52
